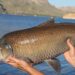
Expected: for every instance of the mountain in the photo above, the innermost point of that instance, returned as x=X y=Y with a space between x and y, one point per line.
x=68 y=9
x=29 y=7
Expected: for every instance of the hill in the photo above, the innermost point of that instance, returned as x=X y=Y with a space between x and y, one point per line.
x=68 y=9
x=29 y=7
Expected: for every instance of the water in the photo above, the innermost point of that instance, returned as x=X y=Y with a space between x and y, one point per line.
x=10 y=23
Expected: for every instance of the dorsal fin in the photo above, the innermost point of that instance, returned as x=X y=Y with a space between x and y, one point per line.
x=47 y=23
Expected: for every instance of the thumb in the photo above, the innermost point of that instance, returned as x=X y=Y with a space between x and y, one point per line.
x=71 y=47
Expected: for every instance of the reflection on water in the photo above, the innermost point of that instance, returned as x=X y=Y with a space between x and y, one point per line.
x=10 y=23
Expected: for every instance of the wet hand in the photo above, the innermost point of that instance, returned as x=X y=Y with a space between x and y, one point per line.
x=70 y=54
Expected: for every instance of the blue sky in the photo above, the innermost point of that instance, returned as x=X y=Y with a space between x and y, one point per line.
x=61 y=3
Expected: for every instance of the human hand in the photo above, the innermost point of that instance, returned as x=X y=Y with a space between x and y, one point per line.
x=70 y=54
x=17 y=63
x=22 y=65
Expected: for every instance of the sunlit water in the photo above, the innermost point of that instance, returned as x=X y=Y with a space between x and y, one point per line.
x=10 y=23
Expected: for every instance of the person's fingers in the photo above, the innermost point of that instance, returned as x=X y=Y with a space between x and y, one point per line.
x=69 y=58
x=16 y=65
x=66 y=55
x=70 y=45
x=72 y=49
x=13 y=59
x=9 y=58
x=18 y=61
x=13 y=64
x=70 y=54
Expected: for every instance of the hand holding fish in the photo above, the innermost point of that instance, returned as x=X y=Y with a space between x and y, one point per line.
x=70 y=54
x=23 y=65
x=16 y=62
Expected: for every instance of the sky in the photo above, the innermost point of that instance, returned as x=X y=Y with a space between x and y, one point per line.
x=62 y=3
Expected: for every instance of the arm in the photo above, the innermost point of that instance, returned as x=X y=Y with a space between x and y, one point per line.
x=70 y=54
x=22 y=65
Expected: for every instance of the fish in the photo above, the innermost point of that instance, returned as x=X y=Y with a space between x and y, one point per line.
x=38 y=44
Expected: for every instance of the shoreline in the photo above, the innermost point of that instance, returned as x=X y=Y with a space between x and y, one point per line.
x=69 y=16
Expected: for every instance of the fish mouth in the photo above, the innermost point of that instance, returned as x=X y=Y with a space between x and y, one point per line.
x=6 y=51
x=1 y=57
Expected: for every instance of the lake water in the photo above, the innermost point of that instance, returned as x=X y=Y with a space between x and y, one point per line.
x=10 y=23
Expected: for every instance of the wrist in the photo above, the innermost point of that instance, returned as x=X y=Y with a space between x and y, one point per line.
x=25 y=67
x=32 y=71
x=28 y=68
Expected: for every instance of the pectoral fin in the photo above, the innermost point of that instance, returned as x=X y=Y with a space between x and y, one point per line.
x=55 y=64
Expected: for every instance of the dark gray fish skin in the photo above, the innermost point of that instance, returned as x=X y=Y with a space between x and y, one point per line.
x=39 y=43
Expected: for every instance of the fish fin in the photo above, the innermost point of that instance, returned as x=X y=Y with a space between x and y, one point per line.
x=28 y=60
x=47 y=23
x=55 y=64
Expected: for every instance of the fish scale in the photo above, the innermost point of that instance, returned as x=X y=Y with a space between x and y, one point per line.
x=40 y=43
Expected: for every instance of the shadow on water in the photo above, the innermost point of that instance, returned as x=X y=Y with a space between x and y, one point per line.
x=10 y=23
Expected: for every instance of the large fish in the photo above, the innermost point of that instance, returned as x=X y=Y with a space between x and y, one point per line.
x=34 y=45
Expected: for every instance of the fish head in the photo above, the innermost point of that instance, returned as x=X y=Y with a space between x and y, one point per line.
x=4 y=53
